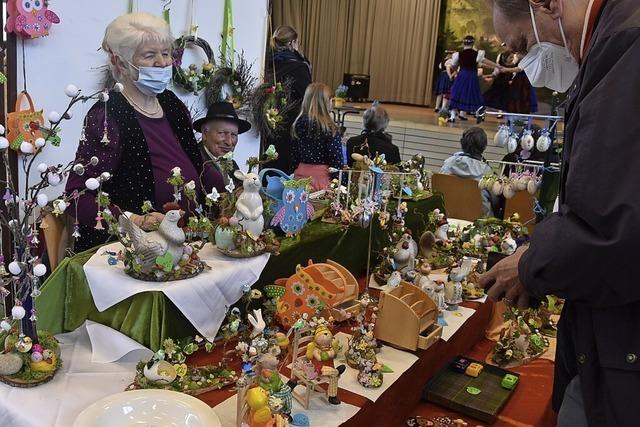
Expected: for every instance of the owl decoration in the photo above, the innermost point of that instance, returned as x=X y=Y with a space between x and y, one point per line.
x=30 y=18
x=295 y=210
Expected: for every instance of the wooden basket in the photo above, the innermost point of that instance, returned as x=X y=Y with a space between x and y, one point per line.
x=16 y=382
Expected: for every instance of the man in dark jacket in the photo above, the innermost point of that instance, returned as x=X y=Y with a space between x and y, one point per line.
x=584 y=253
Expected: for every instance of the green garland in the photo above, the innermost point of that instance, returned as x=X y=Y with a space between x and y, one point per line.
x=192 y=79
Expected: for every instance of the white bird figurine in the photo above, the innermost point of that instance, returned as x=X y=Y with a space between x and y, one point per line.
x=168 y=239
x=394 y=279
x=508 y=244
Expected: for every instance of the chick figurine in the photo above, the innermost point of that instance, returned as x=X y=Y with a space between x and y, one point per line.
x=258 y=400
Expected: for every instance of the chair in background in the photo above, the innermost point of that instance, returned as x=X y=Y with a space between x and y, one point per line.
x=462 y=197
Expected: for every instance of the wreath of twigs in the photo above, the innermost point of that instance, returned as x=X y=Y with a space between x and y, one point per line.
x=235 y=79
x=270 y=104
x=192 y=79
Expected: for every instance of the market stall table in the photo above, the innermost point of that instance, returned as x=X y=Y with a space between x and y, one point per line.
x=150 y=317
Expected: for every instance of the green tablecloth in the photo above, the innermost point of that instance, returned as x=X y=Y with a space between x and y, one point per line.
x=150 y=317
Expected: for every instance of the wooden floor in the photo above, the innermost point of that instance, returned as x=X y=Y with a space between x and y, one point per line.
x=416 y=130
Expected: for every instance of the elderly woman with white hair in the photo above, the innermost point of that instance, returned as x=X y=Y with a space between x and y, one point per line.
x=374 y=139
x=140 y=134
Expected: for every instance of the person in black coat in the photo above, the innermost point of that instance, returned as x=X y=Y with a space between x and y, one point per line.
x=374 y=140
x=585 y=252
x=289 y=65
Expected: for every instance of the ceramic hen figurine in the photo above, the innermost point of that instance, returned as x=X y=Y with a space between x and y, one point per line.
x=406 y=252
x=168 y=239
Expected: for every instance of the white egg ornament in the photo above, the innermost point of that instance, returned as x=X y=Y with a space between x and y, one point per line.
x=161 y=372
x=118 y=87
x=4 y=143
x=532 y=186
x=527 y=142
x=14 y=268
x=18 y=312
x=5 y=325
x=54 y=117
x=496 y=188
x=54 y=179
x=42 y=200
x=512 y=144
x=40 y=142
x=71 y=91
x=92 y=184
x=60 y=205
x=42 y=167
x=39 y=270
x=26 y=148
x=2 y=129
x=508 y=191
x=544 y=142
x=501 y=137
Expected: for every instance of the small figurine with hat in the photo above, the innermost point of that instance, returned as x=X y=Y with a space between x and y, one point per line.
x=220 y=129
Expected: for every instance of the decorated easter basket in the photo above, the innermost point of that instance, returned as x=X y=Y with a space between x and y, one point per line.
x=28 y=378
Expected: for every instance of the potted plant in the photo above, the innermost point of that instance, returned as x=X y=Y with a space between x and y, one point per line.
x=341 y=94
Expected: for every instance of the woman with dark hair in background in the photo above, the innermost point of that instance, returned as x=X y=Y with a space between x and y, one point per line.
x=288 y=64
x=469 y=163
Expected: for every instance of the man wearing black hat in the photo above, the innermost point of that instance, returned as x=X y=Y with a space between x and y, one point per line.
x=220 y=129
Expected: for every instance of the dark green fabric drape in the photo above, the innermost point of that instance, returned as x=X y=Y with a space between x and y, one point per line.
x=150 y=317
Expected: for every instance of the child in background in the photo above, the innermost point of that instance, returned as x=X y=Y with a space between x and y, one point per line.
x=317 y=143
x=444 y=82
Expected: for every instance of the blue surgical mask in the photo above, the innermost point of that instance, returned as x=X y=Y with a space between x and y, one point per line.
x=153 y=80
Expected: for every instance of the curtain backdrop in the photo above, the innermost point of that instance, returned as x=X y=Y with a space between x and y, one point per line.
x=392 y=41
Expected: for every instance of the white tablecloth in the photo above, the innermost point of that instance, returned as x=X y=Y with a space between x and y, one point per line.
x=399 y=361
x=78 y=384
x=202 y=299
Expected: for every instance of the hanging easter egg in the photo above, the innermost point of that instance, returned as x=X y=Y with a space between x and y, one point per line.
x=71 y=91
x=501 y=137
x=42 y=200
x=92 y=184
x=17 y=312
x=2 y=129
x=54 y=179
x=527 y=142
x=532 y=186
x=104 y=96
x=543 y=143
x=39 y=270
x=5 y=325
x=522 y=182
x=14 y=268
x=512 y=144
x=42 y=167
x=118 y=87
x=78 y=169
x=496 y=188
x=106 y=176
x=54 y=117
x=26 y=148
x=4 y=143
x=508 y=191
x=40 y=142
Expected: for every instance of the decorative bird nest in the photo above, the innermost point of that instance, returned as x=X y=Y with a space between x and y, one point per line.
x=192 y=79
x=40 y=361
x=232 y=82
x=193 y=267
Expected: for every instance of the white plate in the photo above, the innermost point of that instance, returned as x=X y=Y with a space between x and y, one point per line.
x=148 y=408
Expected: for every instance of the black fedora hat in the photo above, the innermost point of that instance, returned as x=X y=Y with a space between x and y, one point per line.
x=222 y=111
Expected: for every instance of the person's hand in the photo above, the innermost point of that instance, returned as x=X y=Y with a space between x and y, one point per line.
x=148 y=221
x=504 y=282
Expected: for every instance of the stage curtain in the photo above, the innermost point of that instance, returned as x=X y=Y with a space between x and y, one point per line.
x=392 y=41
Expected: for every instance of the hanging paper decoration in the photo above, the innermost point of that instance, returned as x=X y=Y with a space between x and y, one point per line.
x=227 y=48
x=24 y=126
x=30 y=18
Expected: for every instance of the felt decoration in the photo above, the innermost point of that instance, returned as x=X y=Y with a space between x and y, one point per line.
x=24 y=125
x=30 y=18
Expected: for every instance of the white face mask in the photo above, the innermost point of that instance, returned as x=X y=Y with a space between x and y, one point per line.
x=549 y=65
x=153 y=80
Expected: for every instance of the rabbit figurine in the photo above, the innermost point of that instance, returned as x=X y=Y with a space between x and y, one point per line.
x=249 y=204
